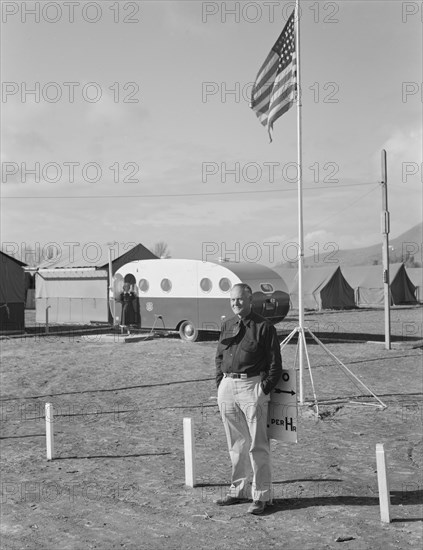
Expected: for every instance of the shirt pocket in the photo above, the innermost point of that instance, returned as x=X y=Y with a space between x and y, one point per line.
x=249 y=351
x=249 y=346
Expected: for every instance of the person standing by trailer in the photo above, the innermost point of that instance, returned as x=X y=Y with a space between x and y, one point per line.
x=248 y=367
x=129 y=306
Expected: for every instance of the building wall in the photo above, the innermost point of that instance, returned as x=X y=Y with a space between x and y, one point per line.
x=71 y=296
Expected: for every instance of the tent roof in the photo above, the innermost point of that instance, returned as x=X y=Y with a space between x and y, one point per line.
x=369 y=276
x=288 y=275
x=315 y=277
x=96 y=255
x=416 y=275
x=4 y=257
x=323 y=287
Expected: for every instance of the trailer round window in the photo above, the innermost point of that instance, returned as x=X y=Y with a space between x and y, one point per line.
x=166 y=285
x=143 y=284
x=225 y=284
x=266 y=287
x=206 y=285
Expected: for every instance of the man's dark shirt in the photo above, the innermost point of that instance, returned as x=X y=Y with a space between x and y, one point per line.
x=249 y=346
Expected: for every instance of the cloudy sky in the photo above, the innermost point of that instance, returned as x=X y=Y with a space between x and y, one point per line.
x=130 y=122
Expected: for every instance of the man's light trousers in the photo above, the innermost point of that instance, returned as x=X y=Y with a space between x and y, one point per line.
x=243 y=407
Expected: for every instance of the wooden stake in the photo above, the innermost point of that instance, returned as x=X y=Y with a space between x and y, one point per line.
x=383 y=484
x=49 y=431
x=189 y=452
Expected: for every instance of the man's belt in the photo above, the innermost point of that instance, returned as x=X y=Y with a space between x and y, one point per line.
x=242 y=376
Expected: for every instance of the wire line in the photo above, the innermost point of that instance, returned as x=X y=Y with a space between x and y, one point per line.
x=165 y=195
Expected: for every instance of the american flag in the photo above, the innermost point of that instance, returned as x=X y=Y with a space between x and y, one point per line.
x=274 y=90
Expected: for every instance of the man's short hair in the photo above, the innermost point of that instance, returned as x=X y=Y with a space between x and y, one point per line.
x=244 y=287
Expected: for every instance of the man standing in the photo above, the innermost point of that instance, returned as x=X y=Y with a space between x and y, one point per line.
x=248 y=367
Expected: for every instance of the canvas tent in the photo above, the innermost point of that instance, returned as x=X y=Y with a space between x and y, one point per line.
x=12 y=293
x=74 y=286
x=402 y=289
x=367 y=282
x=323 y=288
x=289 y=276
x=415 y=275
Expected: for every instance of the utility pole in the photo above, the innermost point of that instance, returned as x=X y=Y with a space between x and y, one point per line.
x=111 y=297
x=385 y=253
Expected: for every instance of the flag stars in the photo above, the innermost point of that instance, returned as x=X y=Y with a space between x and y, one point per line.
x=274 y=88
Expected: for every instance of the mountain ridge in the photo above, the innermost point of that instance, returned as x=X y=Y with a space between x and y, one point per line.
x=407 y=248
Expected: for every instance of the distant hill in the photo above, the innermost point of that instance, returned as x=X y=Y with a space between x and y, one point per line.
x=407 y=248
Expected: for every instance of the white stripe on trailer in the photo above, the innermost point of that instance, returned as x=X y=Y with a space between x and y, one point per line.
x=184 y=275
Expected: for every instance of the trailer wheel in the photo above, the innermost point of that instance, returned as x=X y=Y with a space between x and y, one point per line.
x=188 y=332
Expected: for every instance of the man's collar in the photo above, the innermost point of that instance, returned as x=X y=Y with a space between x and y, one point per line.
x=247 y=319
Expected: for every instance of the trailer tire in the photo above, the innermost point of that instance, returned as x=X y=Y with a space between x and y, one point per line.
x=188 y=332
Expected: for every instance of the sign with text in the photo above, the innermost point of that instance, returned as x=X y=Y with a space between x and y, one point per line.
x=282 y=417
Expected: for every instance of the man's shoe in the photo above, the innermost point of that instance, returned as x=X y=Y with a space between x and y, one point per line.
x=228 y=500
x=257 y=507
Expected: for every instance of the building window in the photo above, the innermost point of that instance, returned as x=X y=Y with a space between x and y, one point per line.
x=225 y=284
x=144 y=286
x=206 y=285
x=266 y=287
x=166 y=285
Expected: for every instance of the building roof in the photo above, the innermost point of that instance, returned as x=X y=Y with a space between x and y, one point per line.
x=96 y=255
x=72 y=273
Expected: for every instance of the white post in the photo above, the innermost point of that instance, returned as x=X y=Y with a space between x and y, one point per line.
x=46 y=329
x=383 y=484
x=300 y=207
x=49 y=431
x=189 y=452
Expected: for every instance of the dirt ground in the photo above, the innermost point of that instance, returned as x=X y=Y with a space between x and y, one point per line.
x=117 y=479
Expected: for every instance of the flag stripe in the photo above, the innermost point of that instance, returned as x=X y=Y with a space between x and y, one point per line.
x=275 y=87
x=266 y=92
x=268 y=70
x=283 y=91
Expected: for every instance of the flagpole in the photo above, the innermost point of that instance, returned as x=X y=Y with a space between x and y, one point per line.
x=301 y=334
x=272 y=95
